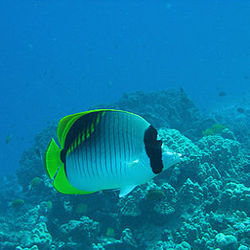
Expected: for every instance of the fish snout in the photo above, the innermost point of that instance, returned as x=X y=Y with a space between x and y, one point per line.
x=171 y=158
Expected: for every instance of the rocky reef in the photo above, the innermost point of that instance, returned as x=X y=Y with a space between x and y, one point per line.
x=203 y=202
x=236 y=116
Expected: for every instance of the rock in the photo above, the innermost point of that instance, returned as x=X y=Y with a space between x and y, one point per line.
x=236 y=196
x=127 y=237
x=129 y=206
x=226 y=242
x=183 y=246
x=177 y=142
x=228 y=134
x=242 y=247
x=79 y=229
x=31 y=164
x=35 y=247
x=162 y=245
x=225 y=154
x=190 y=193
x=41 y=236
x=163 y=208
x=170 y=108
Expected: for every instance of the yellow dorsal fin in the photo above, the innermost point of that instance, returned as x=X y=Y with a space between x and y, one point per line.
x=67 y=122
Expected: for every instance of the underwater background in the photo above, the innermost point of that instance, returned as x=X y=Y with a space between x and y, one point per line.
x=182 y=65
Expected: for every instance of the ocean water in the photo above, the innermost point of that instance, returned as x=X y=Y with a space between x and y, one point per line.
x=182 y=65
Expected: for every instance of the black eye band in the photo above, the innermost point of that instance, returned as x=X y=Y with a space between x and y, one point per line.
x=153 y=149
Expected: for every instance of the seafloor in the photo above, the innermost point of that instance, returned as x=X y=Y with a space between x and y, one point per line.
x=201 y=203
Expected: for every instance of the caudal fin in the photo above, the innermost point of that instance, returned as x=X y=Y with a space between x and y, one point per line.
x=55 y=170
x=52 y=160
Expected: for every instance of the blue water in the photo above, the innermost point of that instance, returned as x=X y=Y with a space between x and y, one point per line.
x=60 y=57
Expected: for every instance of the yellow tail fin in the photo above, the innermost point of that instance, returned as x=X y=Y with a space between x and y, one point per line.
x=52 y=159
x=54 y=168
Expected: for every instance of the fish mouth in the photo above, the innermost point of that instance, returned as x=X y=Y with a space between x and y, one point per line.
x=180 y=155
x=171 y=159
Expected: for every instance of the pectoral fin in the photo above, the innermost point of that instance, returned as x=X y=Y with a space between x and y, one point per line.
x=133 y=163
x=126 y=190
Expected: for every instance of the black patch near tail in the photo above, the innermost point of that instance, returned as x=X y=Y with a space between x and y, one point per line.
x=153 y=149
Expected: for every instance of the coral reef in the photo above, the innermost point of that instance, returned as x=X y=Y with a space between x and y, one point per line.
x=203 y=202
x=168 y=108
x=238 y=122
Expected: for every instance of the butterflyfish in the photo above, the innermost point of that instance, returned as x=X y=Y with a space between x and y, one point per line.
x=105 y=149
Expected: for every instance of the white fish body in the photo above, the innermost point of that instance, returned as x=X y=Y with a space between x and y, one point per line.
x=105 y=149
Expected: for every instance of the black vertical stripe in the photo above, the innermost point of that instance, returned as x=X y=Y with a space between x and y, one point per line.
x=114 y=143
x=119 y=128
x=101 y=149
x=83 y=172
x=90 y=157
x=105 y=148
x=74 y=161
x=125 y=148
x=80 y=160
x=124 y=136
x=110 y=148
x=80 y=155
x=128 y=138
x=82 y=152
x=77 y=160
x=107 y=152
x=123 y=144
x=132 y=140
x=123 y=139
x=100 y=144
x=95 y=151
x=87 y=159
x=134 y=143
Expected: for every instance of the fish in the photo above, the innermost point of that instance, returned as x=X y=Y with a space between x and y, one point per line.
x=222 y=93
x=105 y=149
x=8 y=138
x=240 y=110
